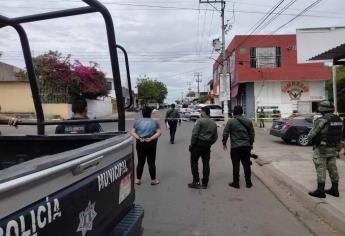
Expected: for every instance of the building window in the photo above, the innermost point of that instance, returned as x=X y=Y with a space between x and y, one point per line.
x=265 y=57
x=243 y=50
x=278 y=57
x=253 y=57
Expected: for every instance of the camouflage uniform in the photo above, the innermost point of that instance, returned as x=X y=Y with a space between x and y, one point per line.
x=326 y=136
x=324 y=156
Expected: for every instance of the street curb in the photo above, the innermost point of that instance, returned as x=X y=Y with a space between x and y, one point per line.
x=318 y=206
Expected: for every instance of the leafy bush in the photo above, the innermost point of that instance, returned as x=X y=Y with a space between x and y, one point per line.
x=57 y=74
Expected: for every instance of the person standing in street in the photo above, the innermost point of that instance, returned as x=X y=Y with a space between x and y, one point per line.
x=204 y=135
x=146 y=132
x=326 y=139
x=241 y=132
x=172 y=117
x=262 y=118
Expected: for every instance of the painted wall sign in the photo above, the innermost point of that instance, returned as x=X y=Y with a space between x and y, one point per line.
x=295 y=89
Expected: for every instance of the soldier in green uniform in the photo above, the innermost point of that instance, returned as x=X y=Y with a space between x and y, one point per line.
x=172 y=117
x=204 y=135
x=326 y=137
x=241 y=132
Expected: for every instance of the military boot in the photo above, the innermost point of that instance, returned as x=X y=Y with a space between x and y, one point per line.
x=249 y=183
x=333 y=190
x=234 y=184
x=319 y=192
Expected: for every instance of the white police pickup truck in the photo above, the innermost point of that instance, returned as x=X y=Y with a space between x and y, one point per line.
x=68 y=184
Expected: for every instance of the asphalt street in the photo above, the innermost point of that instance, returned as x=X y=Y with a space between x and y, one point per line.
x=171 y=208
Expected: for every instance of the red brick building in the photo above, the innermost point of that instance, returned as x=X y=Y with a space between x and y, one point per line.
x=265 y=74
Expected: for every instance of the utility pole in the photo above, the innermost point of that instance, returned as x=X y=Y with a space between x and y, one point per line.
x=225 y=89
x=189 y=90
x=188 y=85
x=198 y=80
x=334 y=78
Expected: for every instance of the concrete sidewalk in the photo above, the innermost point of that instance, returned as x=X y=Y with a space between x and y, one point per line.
x=293 y=166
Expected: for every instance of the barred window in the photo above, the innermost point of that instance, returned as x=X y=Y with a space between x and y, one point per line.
x=265 y=57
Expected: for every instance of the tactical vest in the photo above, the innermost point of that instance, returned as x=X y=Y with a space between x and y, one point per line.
x=333 y=135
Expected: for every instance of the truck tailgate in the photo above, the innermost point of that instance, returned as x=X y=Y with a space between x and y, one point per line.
x=97 y=192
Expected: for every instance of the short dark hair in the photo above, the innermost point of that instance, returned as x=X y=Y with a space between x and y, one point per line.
x=238 y=110
x=147 y=112
x=206 y=110
x=173 y=105
x=79 y=105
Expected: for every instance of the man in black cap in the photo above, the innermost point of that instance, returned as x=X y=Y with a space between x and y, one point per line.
x=204 y=135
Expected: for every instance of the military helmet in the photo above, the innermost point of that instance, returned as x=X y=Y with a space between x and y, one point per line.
x=326 y=106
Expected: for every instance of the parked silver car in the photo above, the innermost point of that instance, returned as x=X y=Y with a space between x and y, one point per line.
x=216 y=112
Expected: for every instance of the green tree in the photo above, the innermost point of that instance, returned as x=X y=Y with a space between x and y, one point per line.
x=151 y=90
x=340 y=88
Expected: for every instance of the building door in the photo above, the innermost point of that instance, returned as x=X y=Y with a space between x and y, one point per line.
x=315 y=107
x=304 y=107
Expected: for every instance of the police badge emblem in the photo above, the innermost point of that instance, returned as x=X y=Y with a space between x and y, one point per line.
x=86 y=218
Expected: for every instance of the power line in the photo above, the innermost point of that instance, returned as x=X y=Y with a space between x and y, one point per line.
x=288 y=22
x=203 y=31
x=209 y=32
x=287 y=6
x=198 y=30
x=260 y=22
x=298 y=15
x=198 y=80
x=282 y=26
x=159 y=7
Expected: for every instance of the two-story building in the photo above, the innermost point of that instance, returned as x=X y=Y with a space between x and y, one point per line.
x=265 y=74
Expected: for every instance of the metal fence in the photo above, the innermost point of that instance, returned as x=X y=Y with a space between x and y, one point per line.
x=52 y=93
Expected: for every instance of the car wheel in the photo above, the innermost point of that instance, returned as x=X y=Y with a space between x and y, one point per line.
x=286 y=140
x=303 y=140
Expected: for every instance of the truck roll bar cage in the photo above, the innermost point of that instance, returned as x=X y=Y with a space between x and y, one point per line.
x=93 y=7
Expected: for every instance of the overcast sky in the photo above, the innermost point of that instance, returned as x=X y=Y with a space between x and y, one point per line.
x=167 y=40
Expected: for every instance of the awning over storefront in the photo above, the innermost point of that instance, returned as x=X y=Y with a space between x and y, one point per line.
x=320 y=43
x=337 y=53
x=234 y=90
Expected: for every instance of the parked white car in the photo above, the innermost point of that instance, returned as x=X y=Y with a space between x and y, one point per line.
x=216 y=112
